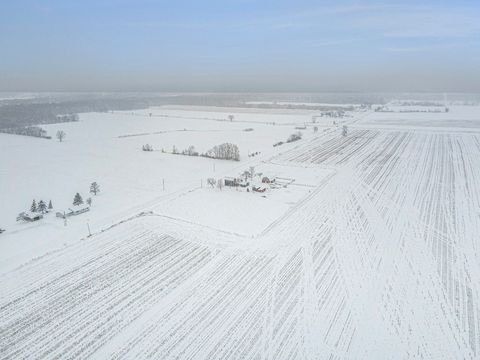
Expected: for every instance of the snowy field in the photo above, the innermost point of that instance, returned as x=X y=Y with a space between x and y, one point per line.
x=372 y=252
x=458 y=118
x=106 y=148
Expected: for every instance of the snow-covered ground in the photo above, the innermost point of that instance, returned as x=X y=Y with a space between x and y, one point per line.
x=106 y=148
x=371 y=253
x=458 y=118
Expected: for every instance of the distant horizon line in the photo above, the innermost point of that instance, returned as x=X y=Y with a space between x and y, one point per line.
x=170 y=92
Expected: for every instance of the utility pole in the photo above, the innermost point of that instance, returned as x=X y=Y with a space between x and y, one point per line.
x=163 y=184
x=89 y=232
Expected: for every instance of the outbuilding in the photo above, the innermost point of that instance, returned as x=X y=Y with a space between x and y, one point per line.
x=29 y=216
x=259 y=188
x=234 y=182
x=267 y=180
x=72 y=212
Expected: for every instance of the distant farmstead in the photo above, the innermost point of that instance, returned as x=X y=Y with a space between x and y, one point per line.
x=253 y=181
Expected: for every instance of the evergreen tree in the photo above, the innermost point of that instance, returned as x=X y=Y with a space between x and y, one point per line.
x=94 y=188
x=50 y=206
x=77 y=200
x=42 y=207
x=33 y=208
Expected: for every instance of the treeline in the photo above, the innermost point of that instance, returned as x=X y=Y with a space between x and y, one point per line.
x=16 y=113
x=225 y=151
x=300 y=107
x=27 y=113
x=35 y=131
x=67 y=118
x=21 y=113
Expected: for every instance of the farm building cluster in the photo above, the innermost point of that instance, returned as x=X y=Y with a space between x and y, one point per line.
x=39 y=210
x=253 y=181
x=30 y=216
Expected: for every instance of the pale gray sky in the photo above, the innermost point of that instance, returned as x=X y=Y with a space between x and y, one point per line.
x=247 y=45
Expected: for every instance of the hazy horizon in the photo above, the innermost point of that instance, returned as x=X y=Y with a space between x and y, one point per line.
x=245 y=46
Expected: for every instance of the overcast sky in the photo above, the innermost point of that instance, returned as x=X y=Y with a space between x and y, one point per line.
x=242 y=45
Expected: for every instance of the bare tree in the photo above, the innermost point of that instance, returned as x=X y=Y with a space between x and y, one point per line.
x=211 y=182
x=225 y=151
x=191 y=151
x=61 y=135
x=230 y=117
